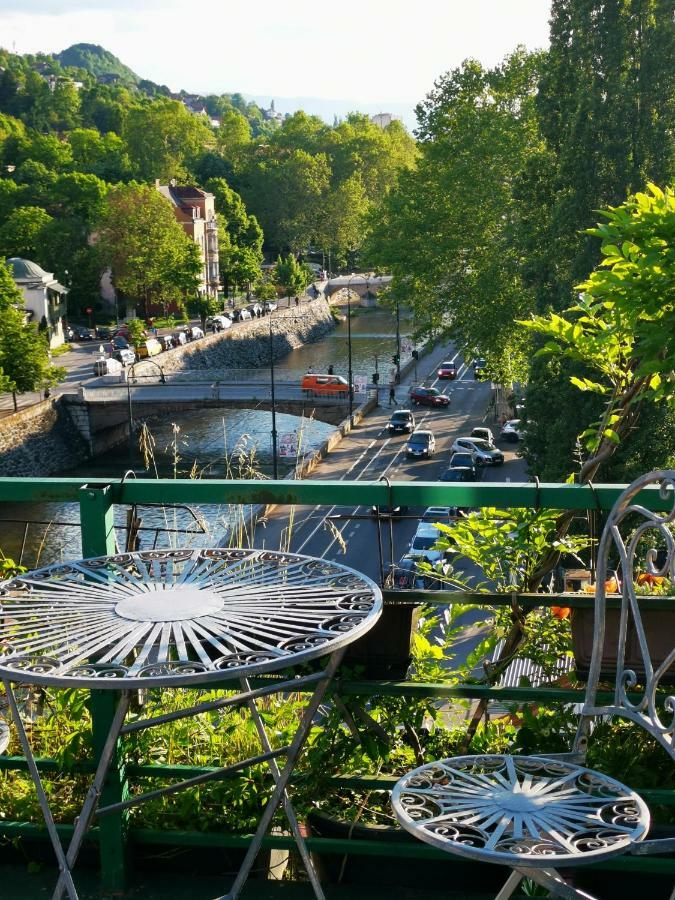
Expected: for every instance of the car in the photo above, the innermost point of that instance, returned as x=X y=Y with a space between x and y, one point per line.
x=119 y=342
x=423 y=544
x=486 y=454
x=441 y=513
x=420 y=443
x=78 y=333
x=166 y=340
x=447 y=370
x=485 y=434
x=194 y=333
x=479 y=368
x=107 y=366
x=241 y=315
x=388 y=512
x=124 y=355
x=462 y=458
x=104 y=333
x=405 y=575
x=324 y=385
x=255 y=309
x=511 y=431
x=179 y=338
x=220 y=321
x=122 y=330
x=149 y=347
x=402 y=421
x=270 y=305
x=426 y=396
x=460 y=473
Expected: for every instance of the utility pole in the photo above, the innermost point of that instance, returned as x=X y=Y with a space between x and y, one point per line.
x=275 y=470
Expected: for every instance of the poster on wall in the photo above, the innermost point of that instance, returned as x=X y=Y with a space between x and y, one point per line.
x=360 y=382
x=288 y=444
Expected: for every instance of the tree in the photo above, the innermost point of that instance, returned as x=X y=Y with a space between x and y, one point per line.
x=24 y=358
x=162 y=137
x=21 y=233
x=445 y=231
x=151 y=257
x=102 y=155
x=343 y=220
x=292 y=277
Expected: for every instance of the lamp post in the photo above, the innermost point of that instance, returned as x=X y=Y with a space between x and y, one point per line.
x=398 y=343
x=275 y=472
x=130 y=413
x=349 y=353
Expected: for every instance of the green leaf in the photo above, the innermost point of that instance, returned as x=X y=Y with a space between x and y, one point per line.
x=611 y=435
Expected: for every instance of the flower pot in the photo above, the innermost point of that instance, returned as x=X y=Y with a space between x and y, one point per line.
x=659 y=628
x=384 y=651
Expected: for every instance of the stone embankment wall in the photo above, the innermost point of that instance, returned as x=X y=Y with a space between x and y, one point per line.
x=39 y=441
x=247 y=346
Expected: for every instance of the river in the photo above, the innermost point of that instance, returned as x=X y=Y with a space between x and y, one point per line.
x=205 y=443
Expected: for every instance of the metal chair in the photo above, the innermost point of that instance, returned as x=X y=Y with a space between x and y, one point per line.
x=537 y=814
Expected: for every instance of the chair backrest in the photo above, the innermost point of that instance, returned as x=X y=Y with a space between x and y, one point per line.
x=638 y=544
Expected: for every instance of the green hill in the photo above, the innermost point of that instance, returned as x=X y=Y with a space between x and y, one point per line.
x=96 y=60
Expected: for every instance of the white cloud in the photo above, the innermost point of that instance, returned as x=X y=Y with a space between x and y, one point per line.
x=365 y=51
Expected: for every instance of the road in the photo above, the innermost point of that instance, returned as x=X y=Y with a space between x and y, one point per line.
x=369 y=453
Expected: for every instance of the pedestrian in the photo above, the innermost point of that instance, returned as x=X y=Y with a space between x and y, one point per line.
x=310 y=370
x=297 y=301
x=214 y=327
x=392 y=395
x=331 y=370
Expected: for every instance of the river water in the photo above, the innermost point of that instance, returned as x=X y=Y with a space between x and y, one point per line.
x=205 y=443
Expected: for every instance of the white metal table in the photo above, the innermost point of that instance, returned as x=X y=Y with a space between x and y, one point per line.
x=182 y=618
x=530 y=813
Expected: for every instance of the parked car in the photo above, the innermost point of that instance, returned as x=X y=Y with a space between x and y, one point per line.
x=122 y=331
x=425 y=396
x=423 y=543
x=485 y=434
x=149 y=347
x=107 y=366
x=241 y=315
x=78 y=333
x=179 y=338
x=402 y=421
x=166 y=340
x=270 y=305
x=118 y=342
x=485 y=454
x=511 y=431
x=421 y=443
x=479 y=369
x=322 y=385
x=104 y=333
x=194 y=333
x=126 y=356
x=443 y=513
x=447 y=370
x=255 y=309
x=460 y=473
x=389 y=512
x=220 y=321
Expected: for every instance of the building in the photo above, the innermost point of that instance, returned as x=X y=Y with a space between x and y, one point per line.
x=195 y=210
x=271 y=115
x=383 y=120
x=43 y=297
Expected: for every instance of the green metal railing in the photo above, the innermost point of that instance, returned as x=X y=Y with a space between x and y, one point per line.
x=97 y=499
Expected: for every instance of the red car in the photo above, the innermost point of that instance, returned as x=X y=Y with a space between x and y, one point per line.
x=447 y=370
x=425 y=396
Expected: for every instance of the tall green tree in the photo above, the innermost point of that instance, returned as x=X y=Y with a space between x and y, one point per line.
x=151 y=258
x=291 y=275
x=445 y=231
x=21 y=232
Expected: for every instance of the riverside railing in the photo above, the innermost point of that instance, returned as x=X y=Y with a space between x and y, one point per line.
x=97 y=499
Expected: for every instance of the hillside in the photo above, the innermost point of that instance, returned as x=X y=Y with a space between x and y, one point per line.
x=96 y=60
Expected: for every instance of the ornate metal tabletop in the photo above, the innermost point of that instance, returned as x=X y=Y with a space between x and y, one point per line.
x=178 y=617
x=519 y=810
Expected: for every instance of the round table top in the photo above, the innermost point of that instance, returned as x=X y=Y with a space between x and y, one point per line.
x=519 y=810
x=178 y=617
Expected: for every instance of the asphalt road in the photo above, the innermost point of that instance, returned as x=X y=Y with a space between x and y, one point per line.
x=367 y=454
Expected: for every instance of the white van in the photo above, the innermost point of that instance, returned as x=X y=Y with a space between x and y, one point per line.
x=107 y=366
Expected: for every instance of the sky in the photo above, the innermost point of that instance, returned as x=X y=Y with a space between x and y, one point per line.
x=364 y=52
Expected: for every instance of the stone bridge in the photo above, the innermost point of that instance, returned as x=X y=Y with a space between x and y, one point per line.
x=103 y=408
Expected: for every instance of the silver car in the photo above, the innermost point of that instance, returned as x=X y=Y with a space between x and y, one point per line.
x=486 y=454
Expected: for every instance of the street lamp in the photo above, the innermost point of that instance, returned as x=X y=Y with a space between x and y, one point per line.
x=349 y=352
x=275 y=472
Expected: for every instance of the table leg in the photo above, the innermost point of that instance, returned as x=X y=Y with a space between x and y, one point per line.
x=288 y=806
x=510 y=885
x=83 y=821
x=550 y=879
x=291 y=759
x=42 y=797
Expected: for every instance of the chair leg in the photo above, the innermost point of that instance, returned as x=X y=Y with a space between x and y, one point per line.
x=510 y=885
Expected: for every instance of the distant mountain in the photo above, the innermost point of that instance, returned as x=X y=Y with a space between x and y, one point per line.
x=96 y=60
